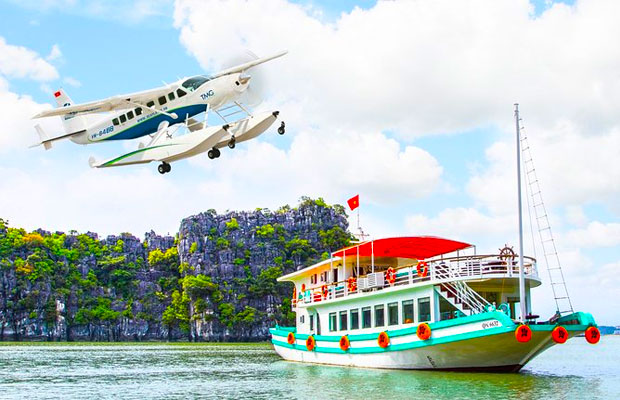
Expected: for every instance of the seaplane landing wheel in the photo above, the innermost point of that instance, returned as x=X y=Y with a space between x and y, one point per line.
x=163 y=168
x=231 y=143
x=282 y=128
x=217 y=153
x=211 y=154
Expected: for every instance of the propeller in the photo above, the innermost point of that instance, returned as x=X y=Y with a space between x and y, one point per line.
x=253 y=95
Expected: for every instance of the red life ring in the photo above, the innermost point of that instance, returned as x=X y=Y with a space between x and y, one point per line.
x=523 y=333
x=593 y=335
x=324 y=291
x=310 y=343
x=344 y=343
x=290 y=339
x=383 y=340
x=424 y=331
x=422 y=269
x=390 y=275
x=559 y=334
x=352 y=284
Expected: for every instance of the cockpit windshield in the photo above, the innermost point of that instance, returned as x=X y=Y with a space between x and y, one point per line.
x=194 y=83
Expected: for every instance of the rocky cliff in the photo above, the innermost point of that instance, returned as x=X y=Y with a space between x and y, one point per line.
x=216 y=280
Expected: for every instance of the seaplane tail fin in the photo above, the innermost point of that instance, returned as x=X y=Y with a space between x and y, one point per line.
x=92 y=162
x=46 y=141
x=71 y=123
x=47 y=144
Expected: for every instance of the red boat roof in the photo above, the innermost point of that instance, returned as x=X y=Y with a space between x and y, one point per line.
x=418 y=247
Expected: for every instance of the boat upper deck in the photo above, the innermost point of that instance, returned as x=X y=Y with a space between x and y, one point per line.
x=396 y=263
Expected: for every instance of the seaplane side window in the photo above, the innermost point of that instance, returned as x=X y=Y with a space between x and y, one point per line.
x=424 y=309
x=408 y=312
x=123 y=119
x=162 y=100
x=180 y=93
x=130 y=115
x=332 y=322
x=343 y=321
x=138 y=111
x=115 y=121
x=355 y=319
x=171 y=96
x=366 y=317
x=393 y=314
x=379 y=315
x=150 y=104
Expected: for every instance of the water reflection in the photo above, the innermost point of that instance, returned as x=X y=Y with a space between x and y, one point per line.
x=575 y=370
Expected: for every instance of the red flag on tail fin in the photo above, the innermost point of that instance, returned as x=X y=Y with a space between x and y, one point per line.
x=354 y=202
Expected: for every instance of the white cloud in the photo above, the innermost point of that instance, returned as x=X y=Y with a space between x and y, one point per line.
x=72 y=82
x=333 y=165
x=596 y=234
x=55 y=53
x=17 y=127
x=21 y=62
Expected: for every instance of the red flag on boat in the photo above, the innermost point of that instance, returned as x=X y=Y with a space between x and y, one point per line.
x=354 y=202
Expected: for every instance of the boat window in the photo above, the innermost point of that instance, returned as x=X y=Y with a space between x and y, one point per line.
x=393 y=314
x=162 y=100
x=123 y=118
x=355 y=319
x=311 y=322
x=379 y=315
x=115 y=121
x=343 y=321
x=301 y=319
x=130 y=115
x=180 y=93
x=408 y=312
x=194 y=83
x=138 y=111
x=335 y=275
x=318 y=324
x=332 y=322
x=313 y=279
x=424 y=309
x=171 y=96
x=150 y=104
x=366 y=317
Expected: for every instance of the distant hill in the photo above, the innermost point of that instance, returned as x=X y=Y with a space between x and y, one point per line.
x=215 y=280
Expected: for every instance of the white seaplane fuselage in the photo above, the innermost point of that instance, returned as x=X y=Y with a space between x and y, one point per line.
x=181 y=102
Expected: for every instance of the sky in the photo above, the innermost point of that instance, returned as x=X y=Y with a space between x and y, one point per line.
x=408 y=104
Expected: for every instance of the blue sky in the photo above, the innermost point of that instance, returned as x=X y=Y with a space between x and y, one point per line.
x=408 y=104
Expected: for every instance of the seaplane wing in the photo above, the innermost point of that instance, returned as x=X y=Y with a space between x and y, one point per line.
x=120 y=102
x=248 y=65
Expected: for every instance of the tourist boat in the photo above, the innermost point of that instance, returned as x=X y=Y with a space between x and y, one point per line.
x=427 y=303
x=419 y=303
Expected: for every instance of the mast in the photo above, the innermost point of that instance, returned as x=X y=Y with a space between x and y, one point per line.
x=522 y=298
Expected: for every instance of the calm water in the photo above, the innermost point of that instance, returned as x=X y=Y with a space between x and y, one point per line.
x=573 y=370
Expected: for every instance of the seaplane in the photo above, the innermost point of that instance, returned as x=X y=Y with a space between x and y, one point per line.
x=160 y=112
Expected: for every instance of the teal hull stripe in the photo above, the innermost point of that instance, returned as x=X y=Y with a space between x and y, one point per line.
x=508 y=327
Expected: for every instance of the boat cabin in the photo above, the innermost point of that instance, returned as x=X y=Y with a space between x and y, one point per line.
x=396 y=282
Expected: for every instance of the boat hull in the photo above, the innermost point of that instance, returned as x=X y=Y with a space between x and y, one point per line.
x=485 y=342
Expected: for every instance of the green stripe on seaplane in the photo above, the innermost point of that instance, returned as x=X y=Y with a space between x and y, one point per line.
x=124 y=156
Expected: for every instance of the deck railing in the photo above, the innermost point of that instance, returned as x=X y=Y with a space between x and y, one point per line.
x=439 y=271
